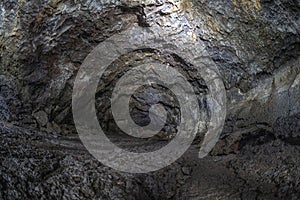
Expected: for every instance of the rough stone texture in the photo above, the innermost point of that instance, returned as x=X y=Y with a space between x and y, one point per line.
x=41 y=117
x=255 y=44
x=37 y=165
x=44 y=43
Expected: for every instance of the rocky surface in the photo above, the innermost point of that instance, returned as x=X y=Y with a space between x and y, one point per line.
x=255 y=45
x=37 y=165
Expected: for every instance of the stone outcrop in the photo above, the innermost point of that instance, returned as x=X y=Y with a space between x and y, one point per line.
x=254 y=44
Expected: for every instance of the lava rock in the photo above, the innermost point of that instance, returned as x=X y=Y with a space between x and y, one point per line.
x=41 y=117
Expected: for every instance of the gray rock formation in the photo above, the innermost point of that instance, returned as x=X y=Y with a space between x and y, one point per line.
x=255 y=45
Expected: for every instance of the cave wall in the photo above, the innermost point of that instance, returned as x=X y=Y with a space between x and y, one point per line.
x=255 y=45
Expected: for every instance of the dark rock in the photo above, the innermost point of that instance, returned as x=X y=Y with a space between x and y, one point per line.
x=255 y=45
x=186 y=170
x=4 y=111
x=288 y=129
x=41 y=117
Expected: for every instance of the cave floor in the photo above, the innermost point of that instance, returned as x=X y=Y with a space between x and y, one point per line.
x=37 y=165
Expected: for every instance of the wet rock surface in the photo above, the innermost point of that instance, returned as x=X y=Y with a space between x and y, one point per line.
x=255 y=45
